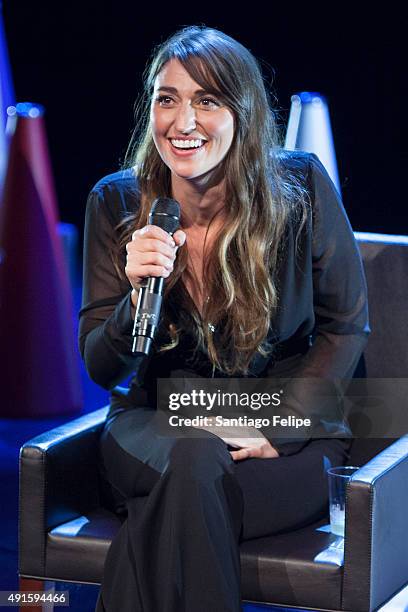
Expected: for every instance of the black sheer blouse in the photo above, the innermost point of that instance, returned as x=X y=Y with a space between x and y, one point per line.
x=321 y=325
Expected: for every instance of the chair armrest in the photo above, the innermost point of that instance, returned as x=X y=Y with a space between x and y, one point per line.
x=376 y=534
x=58 y=482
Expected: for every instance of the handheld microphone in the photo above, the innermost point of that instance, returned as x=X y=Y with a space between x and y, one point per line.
x=165 y=212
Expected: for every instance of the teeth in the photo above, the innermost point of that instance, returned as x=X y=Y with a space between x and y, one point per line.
x=187 y=144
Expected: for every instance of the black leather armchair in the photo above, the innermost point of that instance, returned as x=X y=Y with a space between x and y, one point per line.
x=67 y=519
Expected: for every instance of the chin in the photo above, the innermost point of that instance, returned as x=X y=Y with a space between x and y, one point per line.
x=190 y=172
x=187 y=174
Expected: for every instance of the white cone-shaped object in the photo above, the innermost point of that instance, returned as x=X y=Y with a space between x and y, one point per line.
x=309 y=130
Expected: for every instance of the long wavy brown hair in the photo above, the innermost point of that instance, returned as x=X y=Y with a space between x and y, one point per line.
x=263 y=200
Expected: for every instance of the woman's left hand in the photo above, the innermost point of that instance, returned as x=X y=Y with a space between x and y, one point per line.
x=263 y=451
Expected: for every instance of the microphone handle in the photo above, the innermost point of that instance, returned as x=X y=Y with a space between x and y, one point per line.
x=147 y=314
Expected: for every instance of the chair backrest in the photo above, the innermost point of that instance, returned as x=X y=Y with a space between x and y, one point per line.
x=385 y=260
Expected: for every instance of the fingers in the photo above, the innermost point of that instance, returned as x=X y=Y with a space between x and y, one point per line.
x=156 y=259
x=140 y=264
x=244 y=453
x=151 y=252
x=179 y=238
x=265 y=451
x=153 y=232
x=151 y=245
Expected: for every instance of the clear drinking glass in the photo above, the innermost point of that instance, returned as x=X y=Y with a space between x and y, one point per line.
x=338 y=479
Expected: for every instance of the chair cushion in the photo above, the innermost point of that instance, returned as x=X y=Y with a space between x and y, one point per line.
x=76 y=550
x=301 y=566
x=291 y=568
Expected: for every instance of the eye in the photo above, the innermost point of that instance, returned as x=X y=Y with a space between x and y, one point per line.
x=164 y=100
x=209 y=102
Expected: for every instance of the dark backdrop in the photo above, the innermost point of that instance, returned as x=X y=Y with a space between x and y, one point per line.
x=84 y=60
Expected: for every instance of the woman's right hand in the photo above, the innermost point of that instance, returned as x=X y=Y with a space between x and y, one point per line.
x=151 y=252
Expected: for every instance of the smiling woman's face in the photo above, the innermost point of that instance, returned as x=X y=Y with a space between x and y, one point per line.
x=192 y=130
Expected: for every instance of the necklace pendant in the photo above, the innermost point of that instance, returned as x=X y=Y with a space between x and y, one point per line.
x=211 y=327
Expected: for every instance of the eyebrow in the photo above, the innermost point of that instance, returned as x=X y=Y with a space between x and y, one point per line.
x=174 y=90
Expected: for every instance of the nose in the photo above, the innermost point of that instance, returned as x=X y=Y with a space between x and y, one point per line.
x=185 y=119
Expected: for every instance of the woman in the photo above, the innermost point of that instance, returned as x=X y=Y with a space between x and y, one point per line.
x=263 y=279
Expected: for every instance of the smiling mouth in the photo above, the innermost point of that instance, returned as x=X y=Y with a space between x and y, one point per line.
x=187 y=144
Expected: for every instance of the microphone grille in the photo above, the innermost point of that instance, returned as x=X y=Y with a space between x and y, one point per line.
x=165 y=212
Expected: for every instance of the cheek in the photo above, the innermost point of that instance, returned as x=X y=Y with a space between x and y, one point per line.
x=154 y=126
x=157 y=123
x=156 y=131
x=223 y=129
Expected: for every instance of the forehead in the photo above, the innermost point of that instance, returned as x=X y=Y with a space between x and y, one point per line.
x=173 y=74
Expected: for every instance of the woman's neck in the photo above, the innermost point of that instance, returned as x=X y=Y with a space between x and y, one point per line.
x=199 y=204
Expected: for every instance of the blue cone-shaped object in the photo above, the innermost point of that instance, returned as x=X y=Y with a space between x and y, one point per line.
x=309 y=129
x=6 y=98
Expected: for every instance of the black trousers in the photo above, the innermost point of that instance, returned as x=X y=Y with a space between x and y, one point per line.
x=179 y=551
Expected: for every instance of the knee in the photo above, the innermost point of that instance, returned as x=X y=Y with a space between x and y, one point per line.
x=203 y=459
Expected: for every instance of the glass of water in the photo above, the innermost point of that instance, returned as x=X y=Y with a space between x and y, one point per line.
x=338 y=479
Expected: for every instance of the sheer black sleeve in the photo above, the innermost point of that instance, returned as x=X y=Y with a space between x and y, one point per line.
x=106 y=321
x=339 y=285
x=340 y=310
